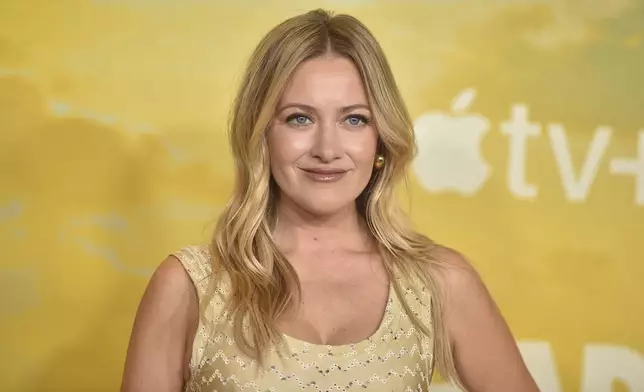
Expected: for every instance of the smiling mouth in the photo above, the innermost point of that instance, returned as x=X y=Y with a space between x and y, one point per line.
x=319 y=175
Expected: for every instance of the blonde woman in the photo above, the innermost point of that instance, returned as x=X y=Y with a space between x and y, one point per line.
x=315 y=280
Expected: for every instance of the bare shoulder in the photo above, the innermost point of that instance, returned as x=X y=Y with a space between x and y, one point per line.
x=170 y=275
x=170 y=286
x=458 y=276
x=159 y=351
x=465 y=293
x=168 y=289
x=462 y=285
x=486 y=355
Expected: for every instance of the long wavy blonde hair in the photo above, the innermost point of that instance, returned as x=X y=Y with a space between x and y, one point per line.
x=262 y=282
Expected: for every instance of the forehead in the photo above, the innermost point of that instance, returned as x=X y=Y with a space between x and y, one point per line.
x=324 y=81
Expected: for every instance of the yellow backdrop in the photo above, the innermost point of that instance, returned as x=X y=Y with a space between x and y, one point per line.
x=113 y=153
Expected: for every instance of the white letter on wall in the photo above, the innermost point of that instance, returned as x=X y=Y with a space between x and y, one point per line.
x=577 y=189
x=519 y=129
x=604 y=364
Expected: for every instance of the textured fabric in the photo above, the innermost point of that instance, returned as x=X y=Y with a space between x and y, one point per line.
x=395 y=358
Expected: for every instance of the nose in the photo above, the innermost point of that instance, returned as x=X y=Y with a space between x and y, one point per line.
x=327 y=145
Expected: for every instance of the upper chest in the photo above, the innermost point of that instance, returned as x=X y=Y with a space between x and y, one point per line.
x=338 y=303
x=344 y=277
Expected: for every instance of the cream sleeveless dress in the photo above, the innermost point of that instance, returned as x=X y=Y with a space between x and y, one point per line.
x=397 y=357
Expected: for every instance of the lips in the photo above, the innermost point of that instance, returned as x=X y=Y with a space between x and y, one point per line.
x=325 y=175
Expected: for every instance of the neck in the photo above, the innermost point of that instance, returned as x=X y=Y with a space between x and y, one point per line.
x=297 y=229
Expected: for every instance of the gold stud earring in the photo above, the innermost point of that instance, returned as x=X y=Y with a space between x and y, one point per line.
x=380 y=162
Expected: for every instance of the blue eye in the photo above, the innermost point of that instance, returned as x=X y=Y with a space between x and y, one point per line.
x=298 y=119
x=357 y=120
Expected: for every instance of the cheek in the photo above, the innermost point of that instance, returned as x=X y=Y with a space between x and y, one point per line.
x=363 y=151
x=285 y=148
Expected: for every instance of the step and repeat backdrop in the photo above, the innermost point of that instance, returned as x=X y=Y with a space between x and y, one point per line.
x=113 y=153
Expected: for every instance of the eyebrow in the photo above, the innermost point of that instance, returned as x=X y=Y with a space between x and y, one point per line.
x=309 y=108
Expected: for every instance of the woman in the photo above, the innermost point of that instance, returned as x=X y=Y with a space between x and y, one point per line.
x=314 y=280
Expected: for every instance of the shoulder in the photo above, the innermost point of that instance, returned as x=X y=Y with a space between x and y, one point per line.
x=176 y=280
x=170 y=285
x=165 y=321
x=486 y=354
x=465 y=295
x=172 y=294
x=458 y=278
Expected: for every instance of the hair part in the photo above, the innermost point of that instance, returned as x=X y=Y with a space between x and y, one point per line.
x=262 y=281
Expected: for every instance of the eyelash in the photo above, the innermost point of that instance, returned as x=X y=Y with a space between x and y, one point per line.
x=365 y=120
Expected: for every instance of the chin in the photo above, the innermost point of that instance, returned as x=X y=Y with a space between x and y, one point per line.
x=326 y=207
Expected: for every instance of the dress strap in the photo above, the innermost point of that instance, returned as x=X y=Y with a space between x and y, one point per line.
x=197 y=262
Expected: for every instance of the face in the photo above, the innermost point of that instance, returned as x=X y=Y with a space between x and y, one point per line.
x=322 y=143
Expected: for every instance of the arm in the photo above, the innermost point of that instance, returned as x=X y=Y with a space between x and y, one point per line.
x=485 y=353
x=164 y=327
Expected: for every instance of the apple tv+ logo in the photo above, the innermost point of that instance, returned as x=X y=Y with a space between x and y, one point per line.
x=450 y=160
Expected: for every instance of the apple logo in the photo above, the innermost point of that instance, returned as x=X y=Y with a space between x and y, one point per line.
x=449 y=148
